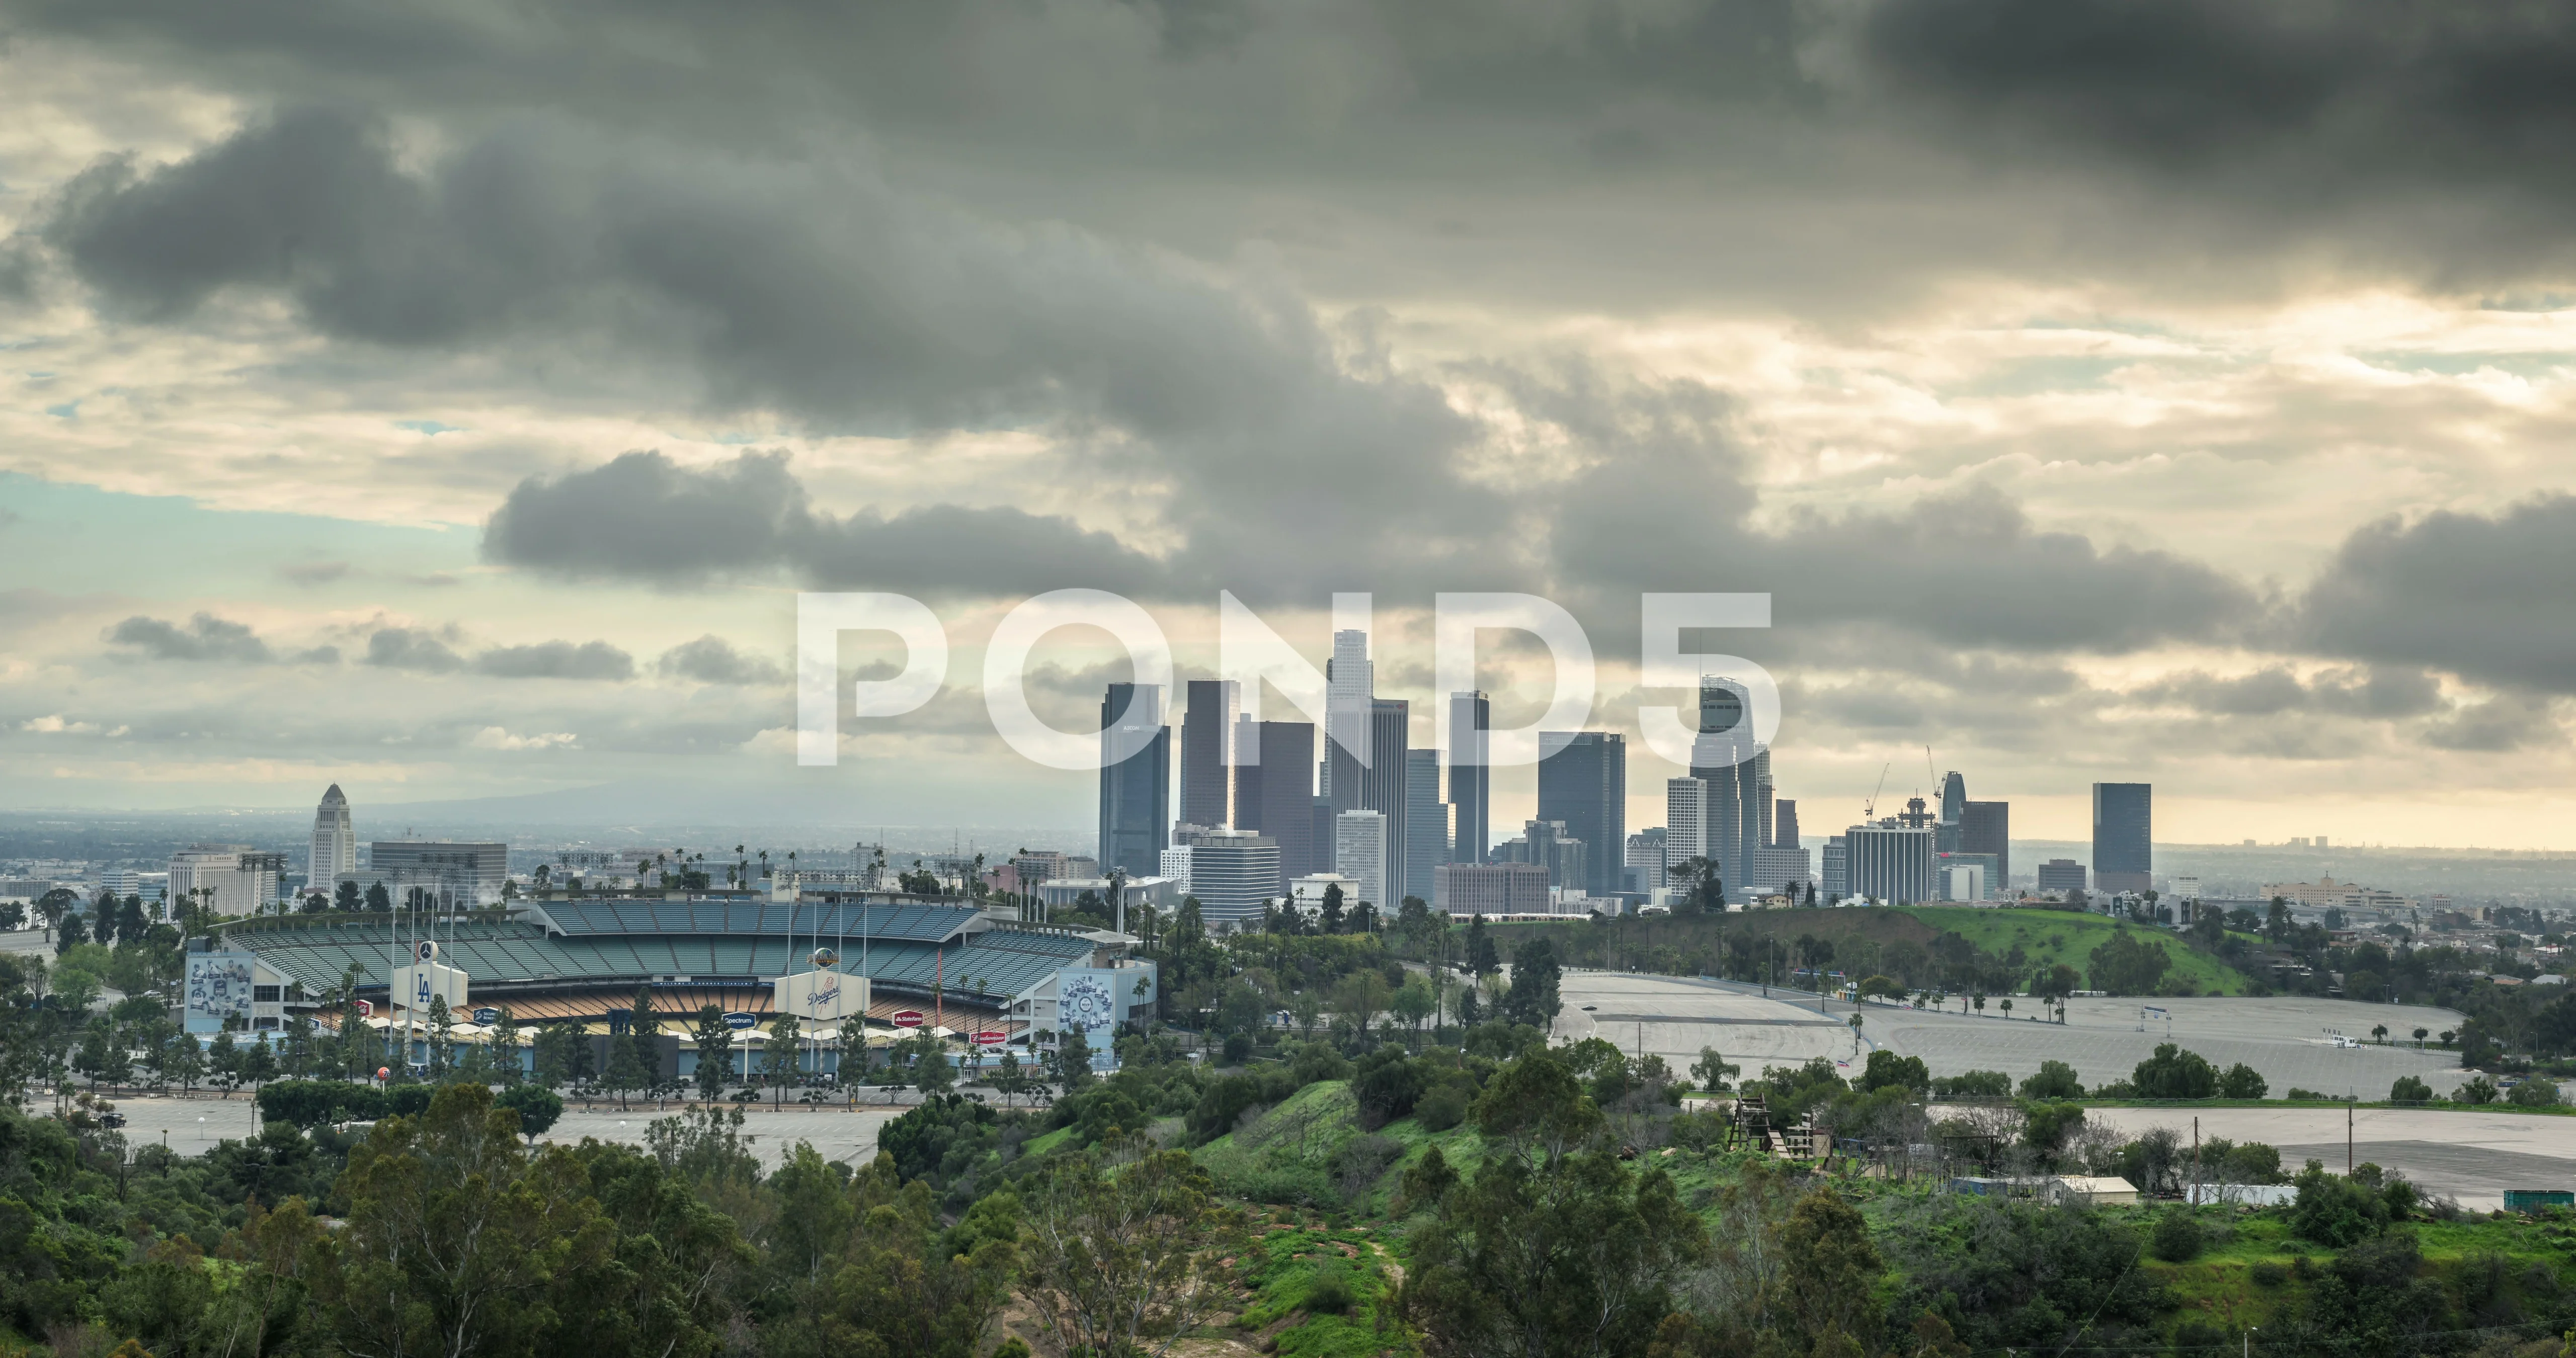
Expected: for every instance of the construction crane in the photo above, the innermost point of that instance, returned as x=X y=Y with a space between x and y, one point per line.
x=1869 y=809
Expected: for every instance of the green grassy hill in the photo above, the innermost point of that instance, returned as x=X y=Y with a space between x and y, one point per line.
x=2048 y=937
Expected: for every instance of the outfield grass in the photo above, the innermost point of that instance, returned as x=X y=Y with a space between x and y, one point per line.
x=2048 y=937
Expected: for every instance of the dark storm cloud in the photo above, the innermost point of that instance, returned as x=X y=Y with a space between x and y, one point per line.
x=1666 y=506
x=556 y=660
x=2329 y=91
x=712 y=660
x=2509 y=721
x=642 y=516
x=2378 y=692
x=2482 y=597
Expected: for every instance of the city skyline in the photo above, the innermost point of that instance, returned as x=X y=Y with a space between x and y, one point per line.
x=2079 y=457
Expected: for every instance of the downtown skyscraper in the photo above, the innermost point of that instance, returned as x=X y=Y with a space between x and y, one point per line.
x=1136 y=791
x=1471 y=716
x=1583 y=784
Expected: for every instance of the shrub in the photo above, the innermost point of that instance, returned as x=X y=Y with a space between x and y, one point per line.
x=2409 y=1089
x=2242 y=1082
x=2055 y=1080
x=2173 y=1073
x=2268 y=1274
x=538 y=1108
x=2479 y=1089
x=1986 y=1084
x=1238 y=1048
x=2178 y=1238
x=1330 y=1295
x=1444 y=1107
x=2534 y=1093
x=2335 y=1211
x=1886 y=1068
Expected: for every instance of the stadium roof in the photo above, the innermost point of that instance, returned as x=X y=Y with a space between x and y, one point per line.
x=914 y=922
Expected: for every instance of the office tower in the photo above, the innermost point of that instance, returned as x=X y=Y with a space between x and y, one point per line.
x=1890 y=863
x=2123 y=836
x=1583 y=785
x=1784 y=820
x=1324 y=847
x=1778 y=869
x=1274 y=792
x=1426 y=822
x=335 y=845
x=1547 y=844
x=215 y=876
x=1964 y=882
x=2061 y=874
x=1234 y=873
x=1135 y=792
x=1360 y=853
x=1647 y=860
x=1954 y=804
x=1735 y=767
x=1836 y=876
x=1762 y=808
x=446 y=874
x=1986 y=828
x=1176 y=862
x=1489 y=889
x=1349 y=687
x=1471 y=715
x=1685 y=821
x=1207 y=752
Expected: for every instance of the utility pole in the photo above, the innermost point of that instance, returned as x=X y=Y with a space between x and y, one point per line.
x=2347 y=1138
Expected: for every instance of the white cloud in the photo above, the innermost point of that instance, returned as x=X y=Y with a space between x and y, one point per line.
x=498 y=738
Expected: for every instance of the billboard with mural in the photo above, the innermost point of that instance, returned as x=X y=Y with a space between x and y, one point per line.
x=820 y=996
x=1097 y=1000
x=218 y=986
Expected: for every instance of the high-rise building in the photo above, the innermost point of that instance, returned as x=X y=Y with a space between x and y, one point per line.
x=2061 y=874
x=1784 y=820
x=1490 y=889
x=1176 y=861
x=1135 y=792
x=216 y=876
x=1471 y=715
x=1546 y=843
x=440 y=874
x=1207 y=752
x=2123 y=836
x=1233 y=873
x=1583 y=785
x=1349 y=735
x=1360 y=853
x=1686 y=822
x=1736 y=768
x=1426 y=822
x=1648 y=860
x=1954 y=805
x=1274 y=793
x=1835 y=879
x=1986 y=828
x=335 y=844
x=1891 y=863
x=1379 y=783
x=1778 y=869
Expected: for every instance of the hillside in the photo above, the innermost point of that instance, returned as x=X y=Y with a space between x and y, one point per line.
x=2050 y=937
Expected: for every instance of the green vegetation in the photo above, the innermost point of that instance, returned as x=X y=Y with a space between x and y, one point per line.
x=2048 y=938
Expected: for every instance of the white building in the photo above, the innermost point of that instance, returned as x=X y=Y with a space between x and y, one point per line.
x=1175 y=865
x=214 y=875
x=1307 y=892
x=1233 y=873
x=1359 y=852
x=1686 y=820
x=335 y=844
x=1964 y=882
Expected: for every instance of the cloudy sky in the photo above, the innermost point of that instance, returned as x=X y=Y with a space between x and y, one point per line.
x=448 y=399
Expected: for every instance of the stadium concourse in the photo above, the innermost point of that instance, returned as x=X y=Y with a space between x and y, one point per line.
x=2288 y=1040
x=953 y=969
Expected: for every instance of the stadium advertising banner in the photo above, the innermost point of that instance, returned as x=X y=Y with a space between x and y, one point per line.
x=1097 y=1000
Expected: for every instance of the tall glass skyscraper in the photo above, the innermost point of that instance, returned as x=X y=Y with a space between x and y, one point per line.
x=1207 y=753
x=1737 y=769
x=2123 y=836
x=1135 y=792
x=1583 y=783
x=1426 y=823
x=1470 y=788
